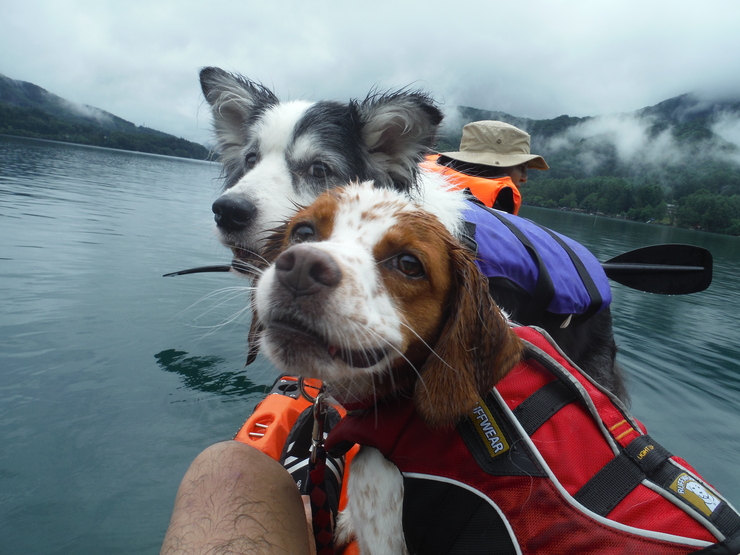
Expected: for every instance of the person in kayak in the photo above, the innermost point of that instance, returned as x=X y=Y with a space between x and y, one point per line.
x=492 y=163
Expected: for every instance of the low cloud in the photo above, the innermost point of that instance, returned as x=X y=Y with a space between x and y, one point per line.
x=727 y=127
x=88 y=112
x=638 y=143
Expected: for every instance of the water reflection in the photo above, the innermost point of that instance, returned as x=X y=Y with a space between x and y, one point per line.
x=202 y=373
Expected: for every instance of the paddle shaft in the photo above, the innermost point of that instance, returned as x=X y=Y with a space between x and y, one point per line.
x=666 y=269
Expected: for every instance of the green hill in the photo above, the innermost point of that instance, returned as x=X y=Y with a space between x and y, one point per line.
x=27 y=110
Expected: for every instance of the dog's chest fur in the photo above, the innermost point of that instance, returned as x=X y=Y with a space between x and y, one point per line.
x=374 y=513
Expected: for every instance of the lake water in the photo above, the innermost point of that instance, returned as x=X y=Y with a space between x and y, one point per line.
x=113 y=378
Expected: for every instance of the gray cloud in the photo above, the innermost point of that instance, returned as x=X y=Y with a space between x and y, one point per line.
x=628 y=134
x=728 y=127
x=540 y=59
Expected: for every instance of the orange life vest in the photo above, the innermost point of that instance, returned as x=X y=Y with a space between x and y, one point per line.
x=268 y=427
x=485 y=189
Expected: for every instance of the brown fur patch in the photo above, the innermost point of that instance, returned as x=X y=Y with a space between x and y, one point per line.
x=457 y=339
x=474 y=351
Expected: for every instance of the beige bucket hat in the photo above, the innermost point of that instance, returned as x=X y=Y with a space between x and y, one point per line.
x=495 y=143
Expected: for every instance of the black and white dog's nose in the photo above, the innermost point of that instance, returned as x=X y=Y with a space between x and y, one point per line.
x=233 y=213
x=306 y=270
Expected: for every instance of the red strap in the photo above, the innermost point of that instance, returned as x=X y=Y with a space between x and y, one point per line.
x=323 y=524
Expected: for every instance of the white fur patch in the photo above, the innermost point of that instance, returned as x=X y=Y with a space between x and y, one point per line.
x=375 y=505
x=276 y=127
x=437 y=196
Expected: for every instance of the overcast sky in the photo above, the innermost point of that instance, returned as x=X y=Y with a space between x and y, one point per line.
x=539 y=59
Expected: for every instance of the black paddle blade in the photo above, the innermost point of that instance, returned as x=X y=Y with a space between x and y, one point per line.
x=664 y=269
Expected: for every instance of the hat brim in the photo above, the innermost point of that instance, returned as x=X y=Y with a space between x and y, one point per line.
x=533 y=161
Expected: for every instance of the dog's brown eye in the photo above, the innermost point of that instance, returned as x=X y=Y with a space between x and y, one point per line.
x=250 y=160
x=303 y=233
x=410 y=265
x=319 y=170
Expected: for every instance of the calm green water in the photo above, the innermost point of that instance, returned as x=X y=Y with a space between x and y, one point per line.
x=113 y=378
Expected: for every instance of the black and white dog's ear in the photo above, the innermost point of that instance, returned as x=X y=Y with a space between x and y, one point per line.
x=235 y=100
x=398 y=130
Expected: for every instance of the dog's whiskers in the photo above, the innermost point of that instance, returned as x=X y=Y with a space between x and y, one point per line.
x=233 y=291
x=227 y=298
x=431 y=349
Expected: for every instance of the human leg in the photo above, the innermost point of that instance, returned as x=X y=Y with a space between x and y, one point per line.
x=235 y=499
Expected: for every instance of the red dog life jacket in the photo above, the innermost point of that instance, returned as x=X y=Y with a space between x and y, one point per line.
x=548 y=463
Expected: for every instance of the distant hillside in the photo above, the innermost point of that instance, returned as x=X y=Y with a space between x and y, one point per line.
x=681 y=131
x=27 y=110
x=677 y=162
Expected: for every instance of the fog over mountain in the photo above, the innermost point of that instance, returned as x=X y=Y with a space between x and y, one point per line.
x=677 y=132
x=677 y=162
x=674 y=132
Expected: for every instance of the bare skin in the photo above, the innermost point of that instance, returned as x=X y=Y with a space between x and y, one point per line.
x=235 y=499
x=518 y=174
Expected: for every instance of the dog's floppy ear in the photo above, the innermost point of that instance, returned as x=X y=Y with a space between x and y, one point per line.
x=398 y=130
x=475 y=350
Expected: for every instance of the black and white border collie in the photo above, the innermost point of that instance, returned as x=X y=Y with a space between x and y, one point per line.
x=277 y=156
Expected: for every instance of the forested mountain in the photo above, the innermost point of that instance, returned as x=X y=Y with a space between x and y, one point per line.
x=677 y=162
x=27 y=110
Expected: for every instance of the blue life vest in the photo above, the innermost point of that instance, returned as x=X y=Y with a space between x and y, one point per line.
x=560 y=275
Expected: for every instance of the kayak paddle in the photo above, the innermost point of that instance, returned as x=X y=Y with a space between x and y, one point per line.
x=236 y=265
x=667 y=269
x=200 y=270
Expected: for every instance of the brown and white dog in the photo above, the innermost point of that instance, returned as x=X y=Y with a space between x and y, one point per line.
x=373 y=295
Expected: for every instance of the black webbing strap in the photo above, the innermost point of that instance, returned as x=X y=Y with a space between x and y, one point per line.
x=537 y=409
x=648 y=455
x=730 y=546
x=583 y=273
x=468 y=237
x=643 y=459
x=610 y=485
x=727 y=521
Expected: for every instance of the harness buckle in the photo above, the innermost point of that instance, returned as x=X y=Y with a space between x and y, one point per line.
x=319 y=415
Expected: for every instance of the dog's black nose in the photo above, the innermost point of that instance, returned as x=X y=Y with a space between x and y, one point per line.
x=233 y=213
x=305 y=270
